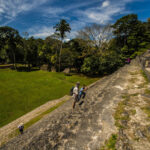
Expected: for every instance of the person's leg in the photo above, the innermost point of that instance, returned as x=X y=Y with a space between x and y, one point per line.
x=83 y=94
x=21 y=131
x=74 y=103
x=79 y=97
x=75 y=100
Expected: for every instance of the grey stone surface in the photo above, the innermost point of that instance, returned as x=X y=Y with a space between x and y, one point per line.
x=87 y=127
x=142 y=61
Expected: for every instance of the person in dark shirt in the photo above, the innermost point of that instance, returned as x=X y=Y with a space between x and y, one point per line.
x=82 y=92
x=21 y=127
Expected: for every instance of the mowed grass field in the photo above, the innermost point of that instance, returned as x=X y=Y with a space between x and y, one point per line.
x=21 y=92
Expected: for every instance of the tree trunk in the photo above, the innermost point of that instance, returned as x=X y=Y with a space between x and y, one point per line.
x=60 y=55
x=29 y=68
x=56 y=66
x=14 y=59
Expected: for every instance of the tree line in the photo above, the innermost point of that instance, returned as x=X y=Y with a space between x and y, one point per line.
x=96 y=49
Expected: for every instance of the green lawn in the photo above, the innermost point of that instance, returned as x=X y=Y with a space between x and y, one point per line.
x=21 y=92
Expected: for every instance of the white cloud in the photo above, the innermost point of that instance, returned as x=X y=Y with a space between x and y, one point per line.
x=67 y=40
x=44 y=31
x=83 y=13
x=105 y=13
x=69 y=8
x=1 y=10
x=40 y=32
x=41 y=35
x=52 y=11
x=105 y=4
x=9 y=9
x=79 y=5
x=101 y=14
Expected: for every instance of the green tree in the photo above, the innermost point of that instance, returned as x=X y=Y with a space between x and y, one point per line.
x=48 y=51
x=91 y=65
x=124 y=27
x=31 y=53
x=61 y=28
x=80 y=50
x=54 y=44
x=39 y=43
x=129 y=33
x=10 y=38
x=147 y=34
x=3 y=54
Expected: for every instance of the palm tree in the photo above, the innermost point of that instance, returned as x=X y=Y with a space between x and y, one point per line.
x=61 y=28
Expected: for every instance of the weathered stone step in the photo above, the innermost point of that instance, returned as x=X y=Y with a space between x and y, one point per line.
x=86 y=128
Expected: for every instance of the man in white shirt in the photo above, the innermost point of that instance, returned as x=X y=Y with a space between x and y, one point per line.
x=75 y=94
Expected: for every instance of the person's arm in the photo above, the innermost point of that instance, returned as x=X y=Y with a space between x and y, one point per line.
x=85 y=89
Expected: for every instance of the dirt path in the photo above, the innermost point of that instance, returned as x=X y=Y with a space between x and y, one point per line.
x=7 y=130
x=113 y=105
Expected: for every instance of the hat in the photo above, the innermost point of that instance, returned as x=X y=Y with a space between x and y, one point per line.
x=21 y=124
x=78 y=83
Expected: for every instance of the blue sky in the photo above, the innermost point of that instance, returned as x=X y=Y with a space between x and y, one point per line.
x=37 y=17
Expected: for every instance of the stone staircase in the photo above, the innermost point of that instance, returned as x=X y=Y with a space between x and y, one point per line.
x=87 y=127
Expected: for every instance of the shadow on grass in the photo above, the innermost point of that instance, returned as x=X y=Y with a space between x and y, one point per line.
x=26 y=69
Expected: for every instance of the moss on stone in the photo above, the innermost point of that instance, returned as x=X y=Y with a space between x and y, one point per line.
x=121 y=115
x=147 y=110
x=147 y=91
x=145 y=77
x=133 y=112
x=110 y=143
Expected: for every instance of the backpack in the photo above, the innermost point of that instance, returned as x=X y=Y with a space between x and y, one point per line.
x=71 y=91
